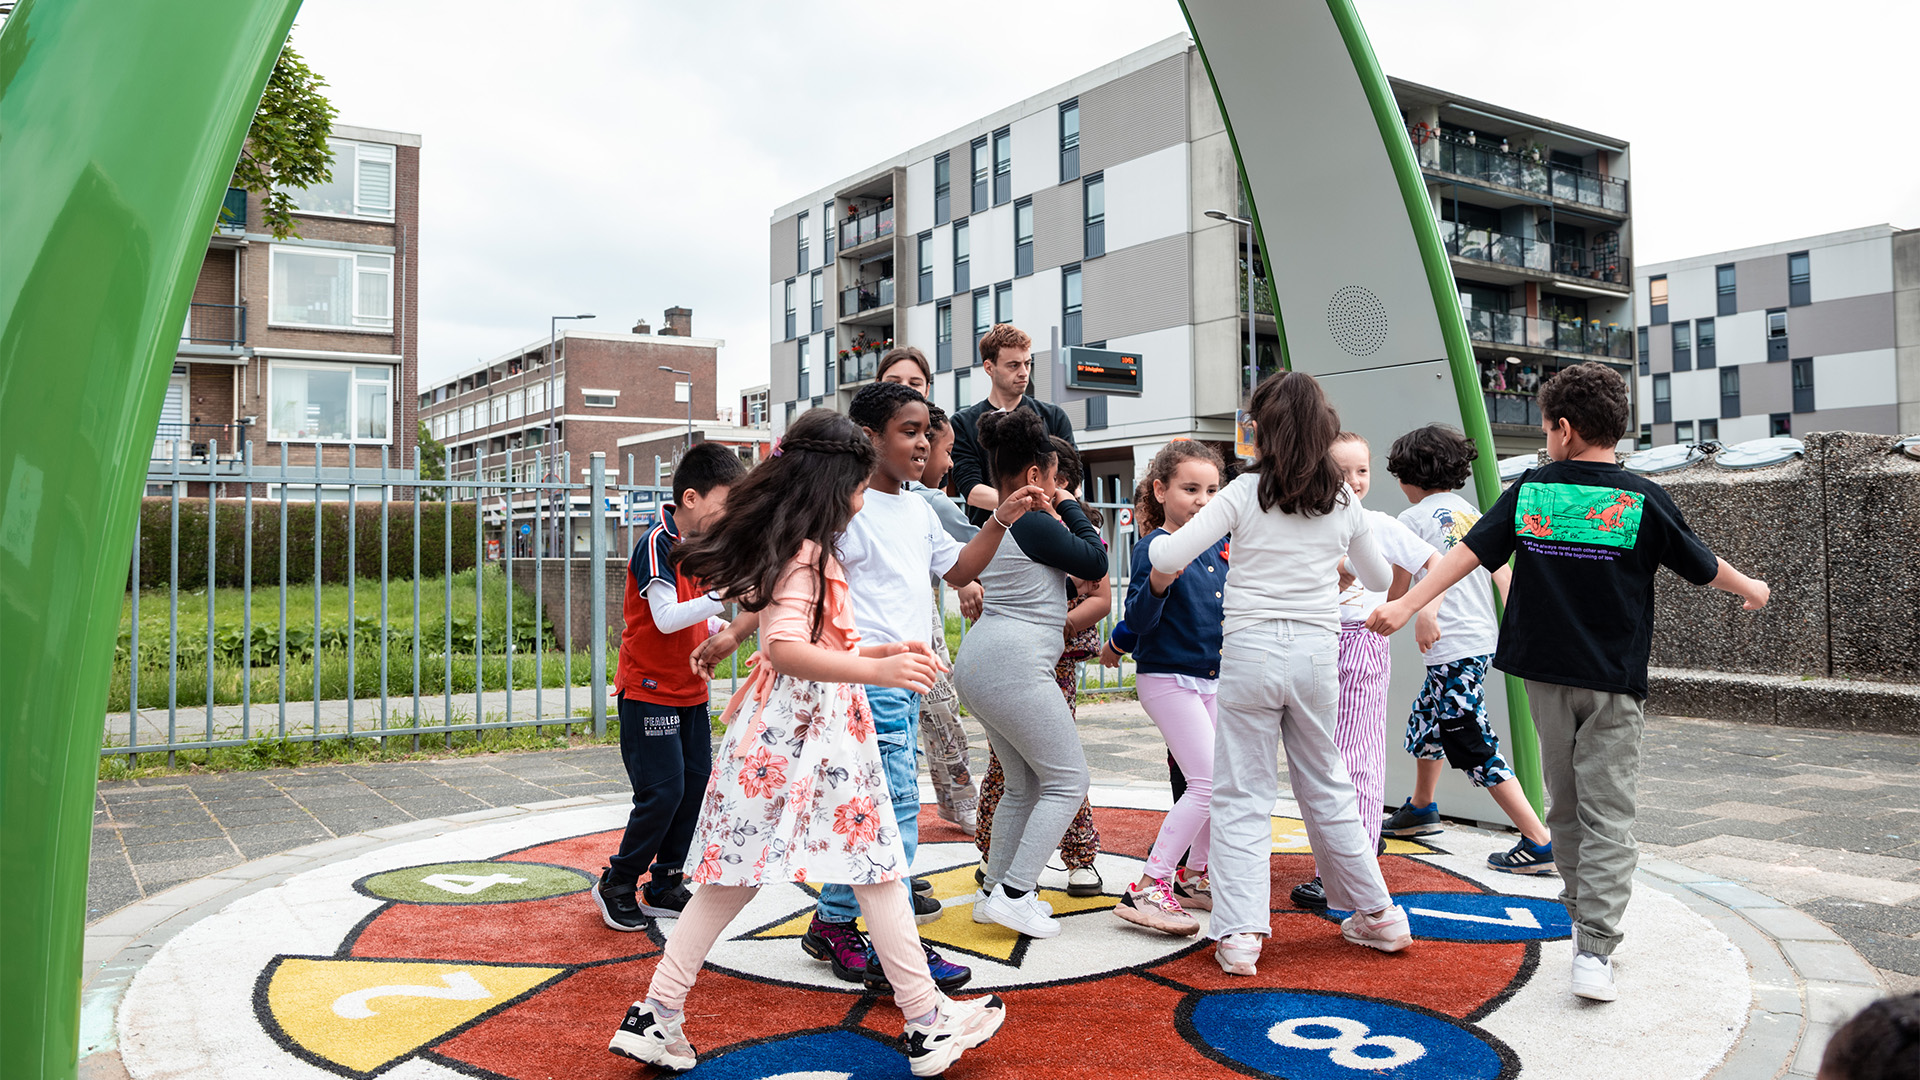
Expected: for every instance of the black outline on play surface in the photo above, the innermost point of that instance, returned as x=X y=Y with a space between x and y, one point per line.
x=857 y=1012
x=360 y=883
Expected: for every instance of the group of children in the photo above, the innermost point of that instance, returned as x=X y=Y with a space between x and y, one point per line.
x=1257 y=614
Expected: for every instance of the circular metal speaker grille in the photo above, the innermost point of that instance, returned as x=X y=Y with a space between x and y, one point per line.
x=1357 y=320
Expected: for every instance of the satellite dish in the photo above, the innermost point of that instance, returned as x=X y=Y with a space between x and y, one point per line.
x=1759 y=453
x=1662 y=459
x=1512 y=467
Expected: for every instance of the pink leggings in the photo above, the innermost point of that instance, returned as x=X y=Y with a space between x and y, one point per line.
x=889 y=923
x=1360 y=727
x=1185 y=720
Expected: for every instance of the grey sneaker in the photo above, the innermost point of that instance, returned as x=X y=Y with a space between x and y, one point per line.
x=1410 y=820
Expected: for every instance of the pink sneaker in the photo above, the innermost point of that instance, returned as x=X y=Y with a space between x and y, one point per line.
x=1386 y=931
x=1155 y=908
x=1194 y=891
x=1238 y=953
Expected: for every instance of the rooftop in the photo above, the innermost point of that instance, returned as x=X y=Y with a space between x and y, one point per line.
x=1778 y=247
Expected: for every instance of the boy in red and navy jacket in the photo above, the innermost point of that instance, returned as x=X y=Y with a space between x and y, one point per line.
x=665 y=737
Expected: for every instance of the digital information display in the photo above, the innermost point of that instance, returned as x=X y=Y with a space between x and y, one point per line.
x=1102 y=369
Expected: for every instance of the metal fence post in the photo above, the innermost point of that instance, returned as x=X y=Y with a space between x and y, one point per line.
x=597 y=570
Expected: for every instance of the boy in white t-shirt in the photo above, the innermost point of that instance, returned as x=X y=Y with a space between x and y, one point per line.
x=1449 y=718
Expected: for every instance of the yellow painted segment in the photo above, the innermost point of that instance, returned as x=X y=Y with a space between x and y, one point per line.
x=1290 y=838
x=364 y=1014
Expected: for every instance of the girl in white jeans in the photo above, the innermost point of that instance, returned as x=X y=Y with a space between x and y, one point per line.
x=1174 y=635
x=1292 y=522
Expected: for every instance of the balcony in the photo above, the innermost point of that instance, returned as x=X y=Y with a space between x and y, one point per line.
x=195 y=444
x=1524 y=170
x=866 y=226
x=1513 y=408
x=866 y=296
x=861 y=362
x=1586 y=339
x=1565 y=260
x=215 y=324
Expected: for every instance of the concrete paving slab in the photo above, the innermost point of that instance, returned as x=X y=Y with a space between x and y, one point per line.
x=1829 y=962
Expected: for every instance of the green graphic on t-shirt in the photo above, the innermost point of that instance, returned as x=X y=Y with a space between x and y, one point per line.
x=1579 y=514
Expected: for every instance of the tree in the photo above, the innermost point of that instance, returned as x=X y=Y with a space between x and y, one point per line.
x=287 y=146
x=433 y=464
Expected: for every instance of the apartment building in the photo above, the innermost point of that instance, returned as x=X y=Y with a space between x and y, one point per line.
x=1081 y=213
x=1821 y=333
x=311 y=341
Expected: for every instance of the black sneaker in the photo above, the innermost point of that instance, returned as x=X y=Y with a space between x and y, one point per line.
x=921 y=886
x=947 y=975
x=1526 y=857
x=1309 y=895
x=616 y=903
x=926 y=909
x=1412 y=821
x=665 y=897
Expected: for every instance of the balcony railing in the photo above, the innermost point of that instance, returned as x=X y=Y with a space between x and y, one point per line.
x=866 y=226
x=1467 y=242
x=215 y=324
x=859 y=366
x=1262 y=295
x=195 y=442
x=1523 y=170
x=1513 y=407
x=865 y=297
x=1589 y=339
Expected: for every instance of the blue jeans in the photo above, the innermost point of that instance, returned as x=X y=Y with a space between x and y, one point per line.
x=896 y=723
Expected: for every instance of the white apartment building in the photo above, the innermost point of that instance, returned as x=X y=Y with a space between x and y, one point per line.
x=1816 y=334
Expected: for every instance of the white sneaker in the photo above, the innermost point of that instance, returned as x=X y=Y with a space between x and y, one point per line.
x=1024 y=914
x=656 y=1040
x=1593 y=977
x=1238 y=953
x=1386 y=931
x=957 y=1026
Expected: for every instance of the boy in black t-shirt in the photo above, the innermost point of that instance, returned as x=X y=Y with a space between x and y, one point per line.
x=1586 y=538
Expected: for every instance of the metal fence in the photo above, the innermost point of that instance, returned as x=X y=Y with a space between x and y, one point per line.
x=560 y=522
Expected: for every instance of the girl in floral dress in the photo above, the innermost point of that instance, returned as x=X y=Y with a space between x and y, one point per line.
x=798 y=792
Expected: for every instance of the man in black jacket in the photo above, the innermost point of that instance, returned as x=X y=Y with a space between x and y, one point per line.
x=1006 y=352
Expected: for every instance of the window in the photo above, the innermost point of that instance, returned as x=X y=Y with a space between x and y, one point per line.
x=1645 y=358
x=1094 y=200
x=1799 y=280
x=1003 y=302
x=942 y=189
x=314 y=287
x=1023 y=238
x=943 y=336
x=1803 y=384
x=1776 y=335
x=1709 y=431
x=804 y=253
x=756 y=410
x=1705 y=344
x=1683 y=346
x=1657 y=299
x=1002 y=166
x=962 y=388
x=1723 y=287
x=599 y=399
x=803 y=382
x=497 y=409
x=537 y=398
x=1663 y=399
x=1683 y=431
x=962 y=257
x=466 y=420
x=814 y=286
x=333 y=402
x=1070 y=141
x=791 y=407
x=1780 y=425
x=790 y=310
x=1729 y=393
x=1646 y=437
x=826 y=227
x=514 y=401
x=926 y=268
x=982 y=167
x=1070 y=305
x=826 y=363
x=982 y=321
x=362 y=184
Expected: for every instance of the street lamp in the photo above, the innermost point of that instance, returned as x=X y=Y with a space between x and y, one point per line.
x=1252 y=355
x=689 y=375
x=553 y=456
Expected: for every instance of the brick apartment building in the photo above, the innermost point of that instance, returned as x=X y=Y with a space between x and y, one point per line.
x=312 y=340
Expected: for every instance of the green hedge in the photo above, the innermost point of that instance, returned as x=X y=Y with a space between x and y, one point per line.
x=229 y=551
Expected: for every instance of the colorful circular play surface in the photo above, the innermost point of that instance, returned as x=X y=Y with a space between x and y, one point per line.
x=479 y=953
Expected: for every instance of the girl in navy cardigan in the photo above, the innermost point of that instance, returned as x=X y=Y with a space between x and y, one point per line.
x=1175 y=639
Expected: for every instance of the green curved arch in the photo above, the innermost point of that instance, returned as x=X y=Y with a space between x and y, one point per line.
x=120 y=122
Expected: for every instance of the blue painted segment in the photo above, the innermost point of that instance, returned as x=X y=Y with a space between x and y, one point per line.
x=823 y=1055
x=1448 y=916
x=1324 y=1037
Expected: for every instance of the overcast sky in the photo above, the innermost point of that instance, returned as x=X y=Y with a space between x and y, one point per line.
x=621 y=157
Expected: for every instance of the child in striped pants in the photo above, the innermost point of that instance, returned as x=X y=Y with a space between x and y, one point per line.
x=1366 y=659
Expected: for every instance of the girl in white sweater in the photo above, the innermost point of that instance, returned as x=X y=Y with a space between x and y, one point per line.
x=1292 y=522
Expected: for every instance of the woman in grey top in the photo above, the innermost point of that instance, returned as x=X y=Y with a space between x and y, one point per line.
x=1005 y=674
